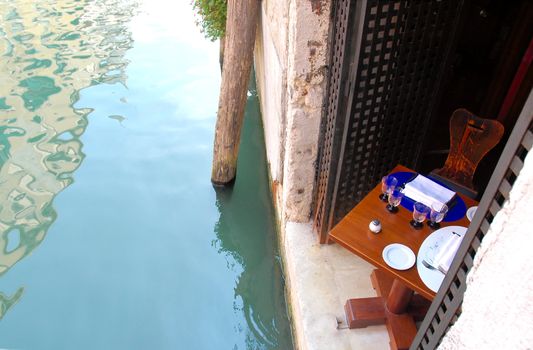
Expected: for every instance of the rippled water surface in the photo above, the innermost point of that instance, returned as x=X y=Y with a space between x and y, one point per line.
x=111 y=235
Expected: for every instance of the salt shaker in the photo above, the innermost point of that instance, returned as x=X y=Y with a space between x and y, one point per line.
x=375 y=226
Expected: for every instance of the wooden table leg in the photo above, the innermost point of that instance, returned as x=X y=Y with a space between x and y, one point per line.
x=392 y=307
x=399 y=297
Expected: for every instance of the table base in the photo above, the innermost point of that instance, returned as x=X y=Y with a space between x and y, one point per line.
x=395 y=306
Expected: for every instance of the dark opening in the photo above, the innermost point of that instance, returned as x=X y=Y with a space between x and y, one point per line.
x=491 y=46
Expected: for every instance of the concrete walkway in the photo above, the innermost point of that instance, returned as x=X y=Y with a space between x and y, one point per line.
x=319 y=279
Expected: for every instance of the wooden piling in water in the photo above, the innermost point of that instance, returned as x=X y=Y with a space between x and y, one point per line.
x=241 y=23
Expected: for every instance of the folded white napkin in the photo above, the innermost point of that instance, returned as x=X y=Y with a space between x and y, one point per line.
x=422 y=189
x=445 y=254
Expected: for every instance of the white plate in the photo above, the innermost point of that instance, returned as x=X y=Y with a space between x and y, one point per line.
x=398 y=256
x=433 y=278
x=470 y=213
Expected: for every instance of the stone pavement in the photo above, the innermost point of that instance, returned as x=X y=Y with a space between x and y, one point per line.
x=319 y=280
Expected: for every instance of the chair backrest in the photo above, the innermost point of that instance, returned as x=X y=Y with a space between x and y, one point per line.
x=471 y=138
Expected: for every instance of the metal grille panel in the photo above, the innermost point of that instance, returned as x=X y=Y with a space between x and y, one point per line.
x=391 y=69
x=446 y=306
x=341 y=11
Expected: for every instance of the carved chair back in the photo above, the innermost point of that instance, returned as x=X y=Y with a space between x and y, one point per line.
x=471 y=138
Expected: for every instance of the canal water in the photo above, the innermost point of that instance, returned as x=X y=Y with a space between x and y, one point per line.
x=111 y=235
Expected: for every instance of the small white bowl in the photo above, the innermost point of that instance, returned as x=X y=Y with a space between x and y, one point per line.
x=470 y=213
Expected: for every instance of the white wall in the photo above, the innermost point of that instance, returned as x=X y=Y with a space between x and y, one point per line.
x=290 y=60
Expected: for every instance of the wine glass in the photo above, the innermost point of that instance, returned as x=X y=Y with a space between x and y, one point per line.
x=394 y=198
x=420 y=211
x=388 y=183
x=437 y=214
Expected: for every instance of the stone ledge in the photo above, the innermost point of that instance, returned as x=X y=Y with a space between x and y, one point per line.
x=319 y=280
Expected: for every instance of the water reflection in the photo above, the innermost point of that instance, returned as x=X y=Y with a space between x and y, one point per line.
x=246 y=232
x=49 y=51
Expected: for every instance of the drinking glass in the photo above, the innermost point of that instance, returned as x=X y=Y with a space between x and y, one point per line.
x=388 y=183
x=394 y=198
x=420 y=211
x=437 y=214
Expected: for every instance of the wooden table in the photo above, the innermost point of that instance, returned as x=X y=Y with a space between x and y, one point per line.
x=396 y=304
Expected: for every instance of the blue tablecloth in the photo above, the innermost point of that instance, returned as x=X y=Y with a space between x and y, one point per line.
x=458 y=206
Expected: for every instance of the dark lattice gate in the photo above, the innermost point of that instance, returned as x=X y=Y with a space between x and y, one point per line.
x=388 y=60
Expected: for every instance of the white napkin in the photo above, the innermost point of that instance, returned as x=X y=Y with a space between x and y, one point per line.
x=422 y=189
x=445 y=254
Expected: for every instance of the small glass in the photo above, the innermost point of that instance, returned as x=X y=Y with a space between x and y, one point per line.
x=420 y=211
x=437 y=214
x=394 y=198
x=388 y=183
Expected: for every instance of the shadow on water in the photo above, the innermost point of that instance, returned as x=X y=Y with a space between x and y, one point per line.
x=49 y=52
x=246 y=230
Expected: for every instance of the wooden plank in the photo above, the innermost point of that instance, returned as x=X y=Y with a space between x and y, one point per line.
x=528 y=140
x=364 y=312
x=402 y=330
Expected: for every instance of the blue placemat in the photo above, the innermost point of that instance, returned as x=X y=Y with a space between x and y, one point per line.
x=457 y=211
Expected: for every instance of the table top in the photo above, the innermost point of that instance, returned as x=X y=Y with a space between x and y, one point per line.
x=352 y=233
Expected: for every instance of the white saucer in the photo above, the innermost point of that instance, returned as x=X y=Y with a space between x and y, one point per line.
x=470 y=213
x=398 y=256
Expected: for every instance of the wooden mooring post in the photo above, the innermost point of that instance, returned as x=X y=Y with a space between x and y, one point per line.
x=241 y=23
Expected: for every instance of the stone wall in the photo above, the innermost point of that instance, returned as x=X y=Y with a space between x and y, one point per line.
x=290 y=61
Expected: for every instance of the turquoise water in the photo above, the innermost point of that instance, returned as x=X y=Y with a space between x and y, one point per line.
x=111 y=235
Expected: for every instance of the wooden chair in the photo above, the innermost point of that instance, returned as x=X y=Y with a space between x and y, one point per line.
x=471 y=138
